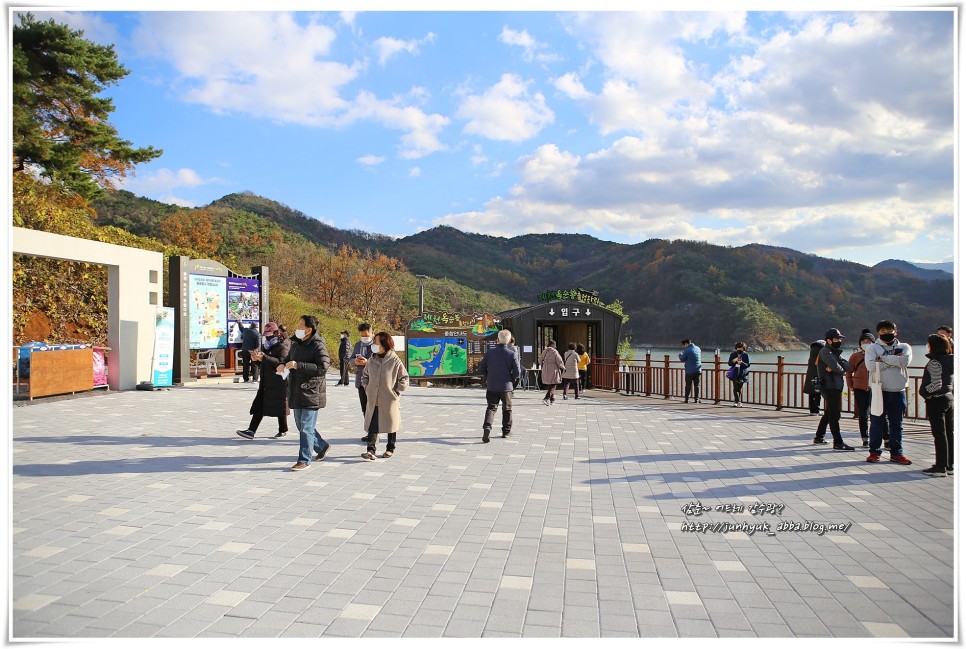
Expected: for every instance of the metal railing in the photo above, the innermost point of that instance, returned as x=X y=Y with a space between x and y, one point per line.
x=777 y=384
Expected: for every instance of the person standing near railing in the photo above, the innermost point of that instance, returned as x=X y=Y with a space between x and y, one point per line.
x=937 y=389
x=892 y=358
x=857 y=378
x=831 y=371
x=741 y=362
x=691 y=357
x=812 y=385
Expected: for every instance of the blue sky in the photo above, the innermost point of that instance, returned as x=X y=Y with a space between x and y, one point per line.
x=827 y=132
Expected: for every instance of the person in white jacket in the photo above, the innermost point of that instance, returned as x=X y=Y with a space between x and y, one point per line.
x=891 y=358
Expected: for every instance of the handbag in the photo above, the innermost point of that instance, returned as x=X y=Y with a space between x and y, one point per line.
x=732 y=372
x=876 y=405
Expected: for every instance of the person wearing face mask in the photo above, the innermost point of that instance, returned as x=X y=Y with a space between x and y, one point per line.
x=831 y=369
x=936 y=388
x=361 y=353
x=857 y=378
x=891 y=359
x=344 y=358
x=307 y=362
x=271 y=400
x=384 y=379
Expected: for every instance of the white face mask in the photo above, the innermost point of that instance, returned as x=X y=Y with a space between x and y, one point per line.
x=864 y=346
x=366 y=339
x=300 y=333
x=376 y=348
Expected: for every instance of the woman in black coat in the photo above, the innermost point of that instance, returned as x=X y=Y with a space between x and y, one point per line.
x=810 y=388
x=936 y=388
x=271 y=400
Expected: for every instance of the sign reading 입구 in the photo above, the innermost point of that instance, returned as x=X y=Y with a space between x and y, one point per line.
x=449 y=344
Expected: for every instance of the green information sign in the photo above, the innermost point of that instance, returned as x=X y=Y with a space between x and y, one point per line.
x=449 y=344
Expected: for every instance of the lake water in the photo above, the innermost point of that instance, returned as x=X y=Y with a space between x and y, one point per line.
x=762 y=358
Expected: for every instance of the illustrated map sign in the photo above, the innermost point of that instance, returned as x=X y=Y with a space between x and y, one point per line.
x=215 y=305
x=449 y=344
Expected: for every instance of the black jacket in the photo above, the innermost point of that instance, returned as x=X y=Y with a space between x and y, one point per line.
x=250 y=339
x=810 y=373
x=832 y=359
x=271 y=400
x=500 y=368
x=344 y=351
x=306 y=383
x=937 y=377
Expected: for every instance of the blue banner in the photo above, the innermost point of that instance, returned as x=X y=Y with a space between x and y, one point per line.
x=162 y=371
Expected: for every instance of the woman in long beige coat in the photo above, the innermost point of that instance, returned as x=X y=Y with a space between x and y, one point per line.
x=551 y=370
x=384 y=379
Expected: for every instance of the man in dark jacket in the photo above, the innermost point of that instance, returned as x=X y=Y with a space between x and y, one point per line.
x=345 y=354
x=250 y=341
x=501 y=368
x=831 y=370
x=307 y=363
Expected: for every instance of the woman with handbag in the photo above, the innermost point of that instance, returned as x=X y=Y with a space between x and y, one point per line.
x=271 y=400
x=936 y=388
x=551 y=370
x=384 y=379
x=571 y=373
x=739 y=362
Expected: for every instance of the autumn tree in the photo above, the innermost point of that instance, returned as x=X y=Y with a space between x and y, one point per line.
x=190 y=229
x=60 y=117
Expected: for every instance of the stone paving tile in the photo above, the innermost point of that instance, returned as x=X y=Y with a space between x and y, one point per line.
x=570 y=528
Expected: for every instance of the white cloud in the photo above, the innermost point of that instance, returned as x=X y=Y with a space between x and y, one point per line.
x=531 y=46
x=387 y=47
x=370 y=160
x=831 y=134
x=171 y=199
x=415 y=172
x=160 y=181
x=478 y=157
x=230 y=62
x=506 y=111
x=94 y=26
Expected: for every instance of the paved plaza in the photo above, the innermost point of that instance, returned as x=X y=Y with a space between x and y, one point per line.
x=140 y=514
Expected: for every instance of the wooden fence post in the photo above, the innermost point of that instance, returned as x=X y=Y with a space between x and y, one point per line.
x=647 y=373
x=717 y=376
x=780 y=391
x=667 y=376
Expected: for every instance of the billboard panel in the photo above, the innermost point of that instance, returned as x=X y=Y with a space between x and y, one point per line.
x=207 y=304
x=449 y=344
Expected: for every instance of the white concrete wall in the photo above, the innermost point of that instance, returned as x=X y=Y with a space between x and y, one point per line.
x=135 y=287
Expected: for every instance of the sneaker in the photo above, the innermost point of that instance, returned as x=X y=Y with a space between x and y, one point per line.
x=388 y=453
x=368 y=456
x=365 y=439
x=819 y=440
x=565 y=397
x=935 y=472
x=900 y=459
x=696 y=401
x=949 y=470
x=247 y=434
x=299 y=466
x=873 y=457
x=546 y=402
x=280 y=434
x=506 y=434
x=842 y=447
x=739 y=405
x=735 y=405
x=325 y=449
x=885 y=439
x=685 y=401
x=486 y=435
x=865 y=442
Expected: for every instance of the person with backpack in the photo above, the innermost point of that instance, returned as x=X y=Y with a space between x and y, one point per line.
x=571 y=373
x=739 y=362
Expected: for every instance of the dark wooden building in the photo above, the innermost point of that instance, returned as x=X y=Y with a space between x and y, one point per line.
x=564 y=321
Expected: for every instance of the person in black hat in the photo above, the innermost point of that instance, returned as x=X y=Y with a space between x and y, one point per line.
x=345 y=355
x=831 y=372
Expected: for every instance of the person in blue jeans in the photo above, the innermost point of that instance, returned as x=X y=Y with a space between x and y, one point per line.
x=307 y=362
x=891 y=358
x=691 y=357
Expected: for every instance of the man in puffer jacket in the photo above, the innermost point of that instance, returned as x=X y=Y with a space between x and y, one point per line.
x=892 y=358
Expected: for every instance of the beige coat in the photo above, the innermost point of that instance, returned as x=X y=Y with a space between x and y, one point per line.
x=570 y=365
x=384 y=379
x=551 y=366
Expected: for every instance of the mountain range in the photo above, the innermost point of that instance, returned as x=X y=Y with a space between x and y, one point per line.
x=772 y=297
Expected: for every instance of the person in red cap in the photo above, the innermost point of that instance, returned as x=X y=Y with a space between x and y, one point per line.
x=831 y=370
x=271 y=400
